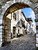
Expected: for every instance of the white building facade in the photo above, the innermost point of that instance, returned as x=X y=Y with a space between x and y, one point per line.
x=14 y=23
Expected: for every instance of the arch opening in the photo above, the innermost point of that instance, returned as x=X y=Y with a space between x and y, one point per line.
x=15 y=7
x=12 y=9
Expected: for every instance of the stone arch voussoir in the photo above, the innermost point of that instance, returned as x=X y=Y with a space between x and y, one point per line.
x=6 y=7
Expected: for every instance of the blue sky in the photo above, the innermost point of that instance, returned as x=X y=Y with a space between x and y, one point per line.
x=29 y=13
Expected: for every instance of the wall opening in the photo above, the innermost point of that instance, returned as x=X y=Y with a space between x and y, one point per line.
x=10 y=16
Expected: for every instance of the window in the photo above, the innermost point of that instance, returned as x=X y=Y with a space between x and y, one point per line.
x=14 y=30
x=14 y=16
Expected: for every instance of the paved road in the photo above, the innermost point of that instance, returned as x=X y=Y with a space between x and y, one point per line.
x=26 y=42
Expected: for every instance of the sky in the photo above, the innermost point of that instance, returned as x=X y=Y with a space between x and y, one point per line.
x=29 y=13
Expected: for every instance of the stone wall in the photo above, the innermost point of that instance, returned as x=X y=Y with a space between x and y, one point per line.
x=33 y=4
x=6 y=29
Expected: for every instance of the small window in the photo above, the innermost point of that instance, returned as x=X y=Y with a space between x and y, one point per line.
x=14 y=16
x=14 y=30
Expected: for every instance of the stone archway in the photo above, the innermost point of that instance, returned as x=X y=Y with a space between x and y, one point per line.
x=10 y=7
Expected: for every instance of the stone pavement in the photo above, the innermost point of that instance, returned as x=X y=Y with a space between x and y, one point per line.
x=26 y=42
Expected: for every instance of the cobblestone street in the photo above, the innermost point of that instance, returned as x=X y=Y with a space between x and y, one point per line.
x=26 y=42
